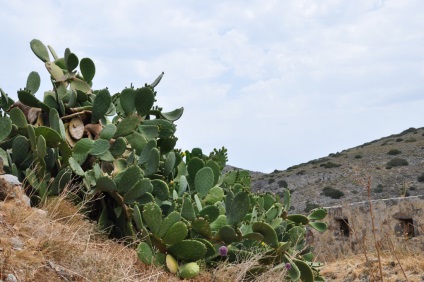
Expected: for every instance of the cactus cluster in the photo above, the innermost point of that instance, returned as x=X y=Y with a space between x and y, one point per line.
x=119 y=150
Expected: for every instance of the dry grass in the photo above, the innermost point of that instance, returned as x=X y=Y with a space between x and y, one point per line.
x=56 y=243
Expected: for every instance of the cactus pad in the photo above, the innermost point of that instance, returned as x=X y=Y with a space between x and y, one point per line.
x=188 y=250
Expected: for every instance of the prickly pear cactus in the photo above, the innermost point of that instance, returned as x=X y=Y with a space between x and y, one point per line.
x=119 y=150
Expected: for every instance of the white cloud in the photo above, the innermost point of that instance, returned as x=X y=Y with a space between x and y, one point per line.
x=277 y=82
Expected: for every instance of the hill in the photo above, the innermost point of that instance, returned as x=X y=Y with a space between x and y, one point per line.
x=394 y=163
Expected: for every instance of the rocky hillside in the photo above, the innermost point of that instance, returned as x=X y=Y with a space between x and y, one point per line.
x=394 y=163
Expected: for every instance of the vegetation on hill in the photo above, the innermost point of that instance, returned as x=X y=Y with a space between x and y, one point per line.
x=394 y=164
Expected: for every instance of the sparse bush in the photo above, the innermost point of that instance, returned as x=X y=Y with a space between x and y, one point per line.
x=420 y=178
x=332 y=193
x=394 y=152
x=282 y=183
x=310 y=206
x=358 y=156
x=410 y=140
x=396 y=162
x=302 y=172
x=399 y=139
x=271 y=180
x=378 y=189
x=329 y=165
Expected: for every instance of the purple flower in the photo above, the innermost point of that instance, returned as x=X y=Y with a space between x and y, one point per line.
x=288 y=266
x=223 y=250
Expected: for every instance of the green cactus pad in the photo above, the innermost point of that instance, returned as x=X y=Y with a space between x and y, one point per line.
x=167 y=144
x=152 y=215
x=20 y=148
x=298 y=219
x=171 y=264
x=88 y=69
x=171 y=219
x=99 y=147
x=157 y=80
x=293 y=272
x=194 y=165
x=219 y=222
x=270 y=236
x=108 y=131
x=160 y=189
x=53 y=139
x=76 y=168
x=137 y=142
x=238 y=208
x=187 y=210
x=306 y=273
x=271 y=213
x=189 y=270
x=317 y=214
x=216 y=170
x=173 y=115
x=81 y=150
x=283 y=246
x=28 y=99
x=204 y=181
x=210 y=213
x=101 y=105
x=130 y=177
x=40 y=50
x=169 y=163
x=41 y=147
x=188 y=250
x=72 y=62
x=18 y=118
x=254 y=236
x=145 y=253
x=201 y=226
x=137 y=218
x=227 y=234
x=152 y=162
x=126 y=126
x=5 y=127
x=126 y=100
x=142 y=187
x=56 y=123
x=144 y=99
x=296 y=235
x=166 y=128
x=175 y=234
x=118 y=147
x=319 y=226
x=60 y=181
x=33 y=82
x=106 y=184
x=80 y=85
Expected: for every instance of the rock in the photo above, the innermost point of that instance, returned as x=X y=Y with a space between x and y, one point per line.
x=11 y=189
x=10 y=278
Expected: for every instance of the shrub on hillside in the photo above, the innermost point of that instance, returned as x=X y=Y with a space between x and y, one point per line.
x=396 y=162
x=310 y=206
x=410 y=140
x=271 y=180
x=358 y=156
x=420 y=178
x=394 y=152
x=332 y=193
x=378 y=189
x=283 y=183
x=329 y=165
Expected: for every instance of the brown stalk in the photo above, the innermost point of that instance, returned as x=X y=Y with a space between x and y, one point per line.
x=373 y=228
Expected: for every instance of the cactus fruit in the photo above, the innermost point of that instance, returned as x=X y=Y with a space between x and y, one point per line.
x=171 y=264
x=189 y=270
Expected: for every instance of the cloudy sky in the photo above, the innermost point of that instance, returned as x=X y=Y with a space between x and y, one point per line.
x=276 y=82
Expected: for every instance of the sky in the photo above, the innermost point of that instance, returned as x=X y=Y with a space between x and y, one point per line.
x=277 y=83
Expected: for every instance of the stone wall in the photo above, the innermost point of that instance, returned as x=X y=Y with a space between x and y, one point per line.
x=397 y=222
